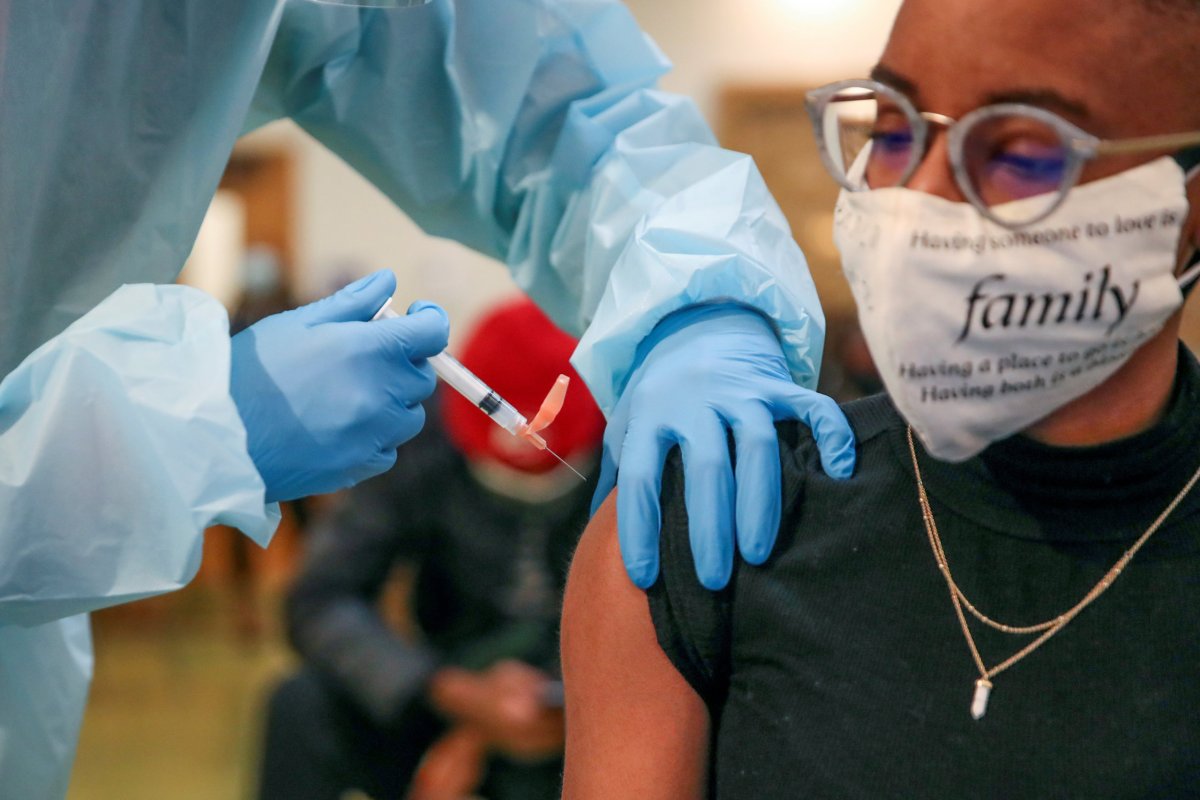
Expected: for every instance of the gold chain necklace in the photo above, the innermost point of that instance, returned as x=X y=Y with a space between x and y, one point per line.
x=983 y=686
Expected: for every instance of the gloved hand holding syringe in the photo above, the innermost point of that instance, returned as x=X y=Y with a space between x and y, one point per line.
x=466 y=383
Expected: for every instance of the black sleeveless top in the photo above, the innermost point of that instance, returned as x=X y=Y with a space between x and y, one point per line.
x=838 y=669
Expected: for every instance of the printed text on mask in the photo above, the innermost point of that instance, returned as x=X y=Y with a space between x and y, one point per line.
x=988 y=308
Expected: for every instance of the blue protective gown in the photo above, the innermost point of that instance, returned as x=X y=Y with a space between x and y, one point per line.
x=527 y=129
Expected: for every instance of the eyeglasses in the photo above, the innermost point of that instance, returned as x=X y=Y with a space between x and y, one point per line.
x=1014 y=162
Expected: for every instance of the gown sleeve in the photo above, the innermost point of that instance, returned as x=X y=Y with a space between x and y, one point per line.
x=533 y=131
x=119 y=445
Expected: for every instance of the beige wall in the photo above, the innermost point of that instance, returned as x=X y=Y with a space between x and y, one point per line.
x=717 y=42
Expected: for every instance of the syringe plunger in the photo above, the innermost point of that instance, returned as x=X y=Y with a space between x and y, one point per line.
x=469 y=386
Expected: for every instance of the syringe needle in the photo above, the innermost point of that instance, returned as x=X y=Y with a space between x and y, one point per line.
x=565 y=464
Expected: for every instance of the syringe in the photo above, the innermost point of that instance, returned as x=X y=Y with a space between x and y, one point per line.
x=486 y=399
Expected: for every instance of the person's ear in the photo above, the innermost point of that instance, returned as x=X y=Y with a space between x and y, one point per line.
x=1189 y=244
x=1192 y=182
x=1194 y=215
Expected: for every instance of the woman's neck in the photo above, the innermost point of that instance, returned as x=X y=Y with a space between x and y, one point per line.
x=1129 y=402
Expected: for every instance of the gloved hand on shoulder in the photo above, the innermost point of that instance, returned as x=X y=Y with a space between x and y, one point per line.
x=706 y=370
x=327 y=395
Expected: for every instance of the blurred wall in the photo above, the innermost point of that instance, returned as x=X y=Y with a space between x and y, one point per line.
x=796 y=42
x=346 y=228
x=215 y=263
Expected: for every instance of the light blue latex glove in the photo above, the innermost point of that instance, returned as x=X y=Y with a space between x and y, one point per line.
x=705 y=370
x=327 y=395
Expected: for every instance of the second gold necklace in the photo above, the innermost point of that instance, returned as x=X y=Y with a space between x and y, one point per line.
x=983 y=686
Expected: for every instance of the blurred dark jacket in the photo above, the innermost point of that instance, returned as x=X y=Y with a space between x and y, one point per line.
x=489 y=576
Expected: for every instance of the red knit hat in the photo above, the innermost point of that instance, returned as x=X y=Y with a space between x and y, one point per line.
x=517 y=350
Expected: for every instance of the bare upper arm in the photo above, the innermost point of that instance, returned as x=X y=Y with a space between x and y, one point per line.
x=635 y=727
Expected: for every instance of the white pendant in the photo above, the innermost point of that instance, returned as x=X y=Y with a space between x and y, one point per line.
x=983 y=689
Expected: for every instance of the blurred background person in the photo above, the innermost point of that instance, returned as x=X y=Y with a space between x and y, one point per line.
x=483 y=524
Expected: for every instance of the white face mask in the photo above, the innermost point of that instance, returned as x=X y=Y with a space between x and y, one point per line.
x=980 y=331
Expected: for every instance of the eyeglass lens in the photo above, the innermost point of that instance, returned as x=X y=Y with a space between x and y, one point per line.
x=871 y=140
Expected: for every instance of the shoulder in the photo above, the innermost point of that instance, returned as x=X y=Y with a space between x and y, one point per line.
x=876 y=425
x=693 y=624
x=872 y=419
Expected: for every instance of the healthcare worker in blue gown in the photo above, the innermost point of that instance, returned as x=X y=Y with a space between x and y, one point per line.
x=530 y=130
